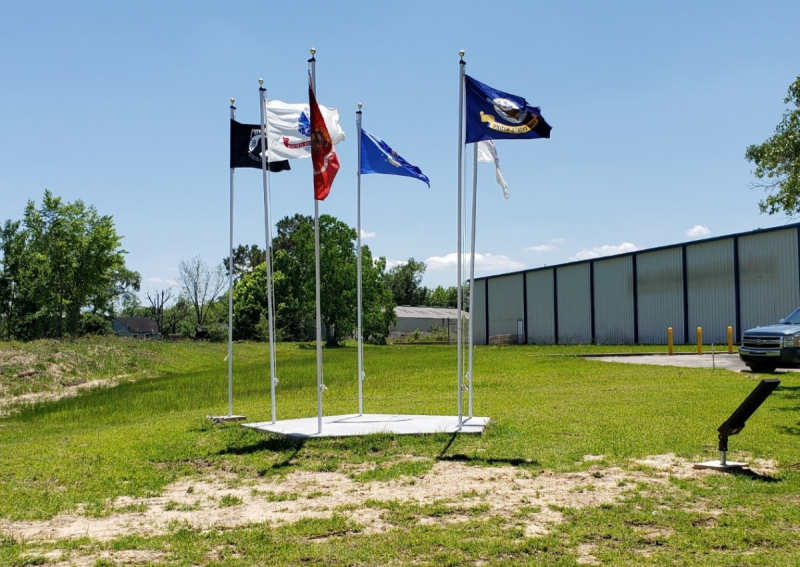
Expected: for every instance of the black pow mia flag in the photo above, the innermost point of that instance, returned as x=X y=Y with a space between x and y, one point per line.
x=246 y=148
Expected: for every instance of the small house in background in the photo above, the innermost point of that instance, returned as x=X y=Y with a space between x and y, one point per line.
x=423 y=319
x=136 y=327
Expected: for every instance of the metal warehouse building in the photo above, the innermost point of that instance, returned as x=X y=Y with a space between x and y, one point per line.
x=741 y=280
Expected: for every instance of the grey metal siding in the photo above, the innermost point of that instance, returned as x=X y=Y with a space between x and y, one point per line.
x=613 y=300
x=422 y=324
x=541 y=315
x=505 y=304
x=477 y=308
x=769 y=278
x=711 y=293
x=660 y=287
x=574 y=304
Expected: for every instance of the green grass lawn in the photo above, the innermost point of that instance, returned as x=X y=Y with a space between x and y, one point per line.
x=76 y=455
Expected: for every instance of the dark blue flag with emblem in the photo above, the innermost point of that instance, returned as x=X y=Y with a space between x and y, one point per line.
x=495 y=115
x=246 y=148
x=378 y=157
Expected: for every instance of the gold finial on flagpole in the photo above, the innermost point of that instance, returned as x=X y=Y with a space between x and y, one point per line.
x=461 y=54
x=313 y=51
x=260 y=82
x=233 y=100
x=359 y=106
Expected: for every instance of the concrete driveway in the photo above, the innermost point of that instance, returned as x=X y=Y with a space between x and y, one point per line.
x=707 y=360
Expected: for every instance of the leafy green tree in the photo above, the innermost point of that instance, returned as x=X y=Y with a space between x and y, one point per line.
x=378 y=303
x=245 y=259
x=404 y=280
x=61 y=260
x=295 y=295
x=294 y=281
x=250 y=305
x=777 y=160
x=441 y=297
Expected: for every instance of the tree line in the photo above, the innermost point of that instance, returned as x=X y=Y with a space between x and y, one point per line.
x=63 y=274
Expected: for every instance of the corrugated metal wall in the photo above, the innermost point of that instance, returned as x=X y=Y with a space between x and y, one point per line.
x=769 y=280
x=613 y=301
x=541 y=309
x=711 y=295
x=574 y=304
x=659 y=285
x=741 y=281
x=505 y=304
x=477 y=306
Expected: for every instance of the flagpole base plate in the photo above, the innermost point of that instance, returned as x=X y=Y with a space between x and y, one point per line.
x=719 y=466
x=226 y=418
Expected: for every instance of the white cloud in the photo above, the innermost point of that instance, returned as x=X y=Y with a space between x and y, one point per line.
x=697 y=231
x=365 y=234
x=540 y=248
x=483 y=262
x=605 y=250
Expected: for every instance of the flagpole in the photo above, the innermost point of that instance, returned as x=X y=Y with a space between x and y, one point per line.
x=358 y=263
x=472 y=269
x=262 y=92
x=230 y=289
x=320 y=386
x=462 y=65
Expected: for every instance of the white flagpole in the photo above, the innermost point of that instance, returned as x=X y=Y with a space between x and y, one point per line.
x=358 y=263
x=320 y=385
x=230 y=291
x=472 y=268
x=272 y=380
x=462 y=65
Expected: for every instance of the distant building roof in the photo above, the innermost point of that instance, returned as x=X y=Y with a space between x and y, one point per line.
x=428 y=312
x=139 y=324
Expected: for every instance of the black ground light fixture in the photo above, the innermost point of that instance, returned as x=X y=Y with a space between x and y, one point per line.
x=735 y=423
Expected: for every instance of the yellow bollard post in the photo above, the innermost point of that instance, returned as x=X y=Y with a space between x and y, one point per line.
x=730 y=340
x=699 y=340
x=670 y=341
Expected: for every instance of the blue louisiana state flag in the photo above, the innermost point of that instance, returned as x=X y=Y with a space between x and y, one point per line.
x=378 y=157
x=495 y=115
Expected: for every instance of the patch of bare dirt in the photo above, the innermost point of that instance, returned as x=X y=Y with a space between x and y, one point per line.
x=682 y=468
x=10 y=403
x=211 y=502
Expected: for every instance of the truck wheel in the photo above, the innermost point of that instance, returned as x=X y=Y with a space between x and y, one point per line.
x=762 y=368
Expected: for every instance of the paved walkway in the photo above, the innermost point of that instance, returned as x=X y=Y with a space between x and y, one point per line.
x=705 y=360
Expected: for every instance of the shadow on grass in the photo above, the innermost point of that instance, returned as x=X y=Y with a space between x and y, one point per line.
x=754 y=475
x=286 y=447
x=489 y=461
x=277 y=444
x=791 y=430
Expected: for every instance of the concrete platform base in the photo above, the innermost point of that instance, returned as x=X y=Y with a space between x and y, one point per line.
x=225 y=418
x=353 y=425
x=718 y=466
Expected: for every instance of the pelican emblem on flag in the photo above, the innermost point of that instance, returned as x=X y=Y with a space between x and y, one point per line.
x=391 y=159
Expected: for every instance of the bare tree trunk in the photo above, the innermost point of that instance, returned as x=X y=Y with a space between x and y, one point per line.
x=201 y=284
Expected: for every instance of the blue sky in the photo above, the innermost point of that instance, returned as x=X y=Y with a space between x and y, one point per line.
x=125 y=106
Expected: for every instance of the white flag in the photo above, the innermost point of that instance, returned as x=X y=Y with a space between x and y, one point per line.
x=289 y=129
x=488 y=154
